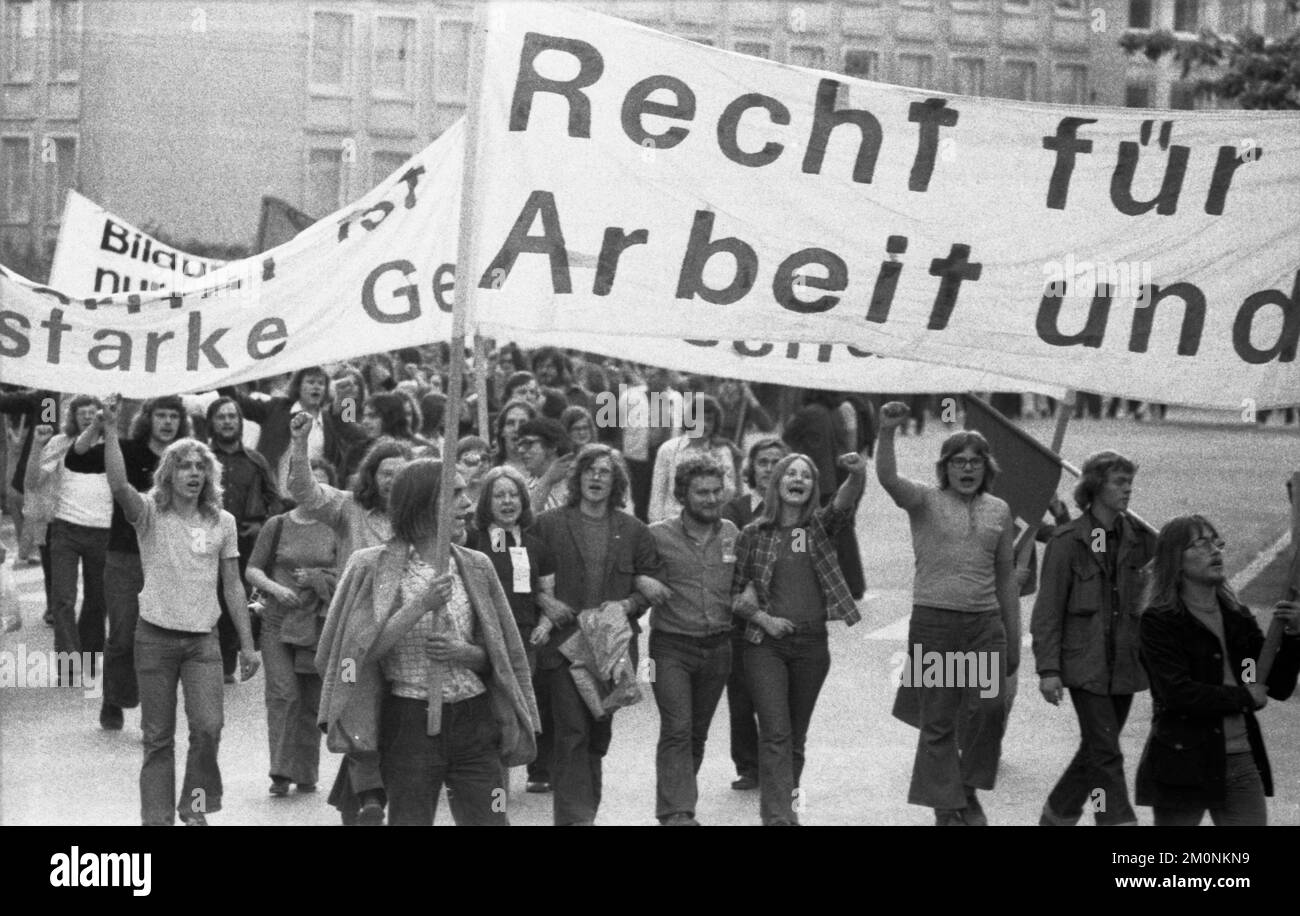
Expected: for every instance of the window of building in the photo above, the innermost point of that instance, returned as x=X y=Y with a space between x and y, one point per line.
x=19 y=45
x=753 y=48
x=1069 y=6
x=1137 y=95
x=700 y=41
x=1020 y=80
x=1019 y=6
x=384 y=163
x=59 y=155
x=65 y=52
x=453 y=57
x=395 y=55
x=1279 y=19
x=1182 y=97
x=916 y=70
x=968 y=76
x=331 y=50
x=15 y=179
x=862 y=64
x=808 y=56
x=1233 y=17
x=324 y=181
x=1070 y=86
x=1187 y=15
x=1139 y=14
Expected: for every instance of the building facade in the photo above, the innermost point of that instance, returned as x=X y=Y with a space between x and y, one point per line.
x=182 y=115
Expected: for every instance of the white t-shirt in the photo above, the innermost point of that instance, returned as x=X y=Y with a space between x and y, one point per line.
x=181 y=559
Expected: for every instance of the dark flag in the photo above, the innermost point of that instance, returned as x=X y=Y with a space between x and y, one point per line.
x=279 y=223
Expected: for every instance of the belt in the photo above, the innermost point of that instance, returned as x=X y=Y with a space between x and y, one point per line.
x=714 y=637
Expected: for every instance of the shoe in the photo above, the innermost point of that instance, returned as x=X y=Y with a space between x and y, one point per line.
x=537 y=787
x=306 y=787
x=744 y=783
x=372 y=814
x=680 y=819
x=949 y=817
x=280 y=786
x=194 y=819
x=973 y=815
x=110 y=717
x=1050 y=818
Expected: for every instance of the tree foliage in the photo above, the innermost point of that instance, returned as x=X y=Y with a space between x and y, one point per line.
x=1247 y=68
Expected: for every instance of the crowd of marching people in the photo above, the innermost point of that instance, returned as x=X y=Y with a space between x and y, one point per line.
x=296 y=529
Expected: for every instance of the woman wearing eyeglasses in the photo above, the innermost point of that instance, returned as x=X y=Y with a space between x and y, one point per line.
x=964 y=600
x=1200 y=647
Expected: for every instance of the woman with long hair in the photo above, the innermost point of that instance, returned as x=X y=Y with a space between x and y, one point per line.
x=965 y=600
x=705 y=438
x=295 y=565
x=788 y=585
x=408 y=629
x=505 y=432
x=502 y=520
x=1200 y=647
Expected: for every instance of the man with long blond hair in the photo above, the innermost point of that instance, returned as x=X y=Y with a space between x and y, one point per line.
x=188 y=544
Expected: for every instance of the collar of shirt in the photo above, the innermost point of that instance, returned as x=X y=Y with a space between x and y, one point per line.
x=1115 y=531
x=755 y=501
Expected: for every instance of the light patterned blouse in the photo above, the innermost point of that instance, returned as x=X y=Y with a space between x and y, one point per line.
x=407 y=667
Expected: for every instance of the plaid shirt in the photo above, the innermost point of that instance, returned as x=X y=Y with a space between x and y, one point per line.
x=756 y=553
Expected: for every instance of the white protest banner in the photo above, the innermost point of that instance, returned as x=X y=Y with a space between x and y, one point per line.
x=99 y=252
x=345 y=287
x=642 y=181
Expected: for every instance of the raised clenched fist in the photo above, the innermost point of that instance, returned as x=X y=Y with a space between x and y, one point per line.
x=894 y=414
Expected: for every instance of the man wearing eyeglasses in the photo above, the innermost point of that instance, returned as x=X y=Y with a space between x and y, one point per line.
x=1085 y=633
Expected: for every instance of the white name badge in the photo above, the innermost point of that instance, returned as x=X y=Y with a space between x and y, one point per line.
x=523 y=572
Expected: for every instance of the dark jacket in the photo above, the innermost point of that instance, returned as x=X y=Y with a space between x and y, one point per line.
x=29 y=407
x=272 y=414
x=739 y=511
x=1185 y=761
x=631 y=553
x=1085 y=623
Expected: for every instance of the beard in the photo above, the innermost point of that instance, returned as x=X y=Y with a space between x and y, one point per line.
x=701 y=519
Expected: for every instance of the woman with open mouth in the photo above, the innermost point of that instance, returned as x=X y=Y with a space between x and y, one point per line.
x=788 y=584
x=965 y=605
